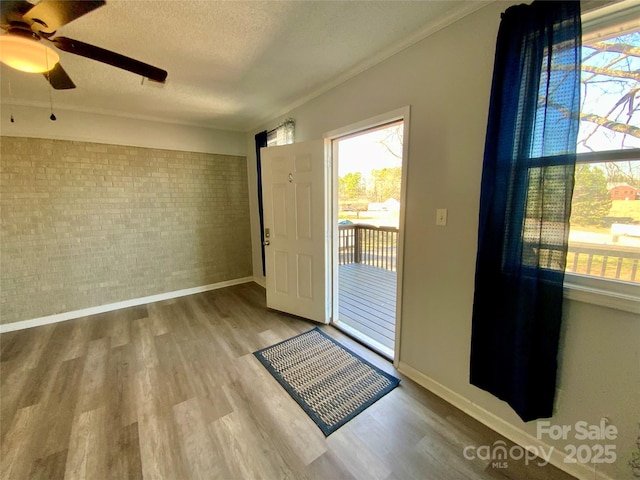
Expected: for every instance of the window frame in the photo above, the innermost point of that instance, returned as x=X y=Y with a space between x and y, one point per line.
x=600 y=21
x=605 y=292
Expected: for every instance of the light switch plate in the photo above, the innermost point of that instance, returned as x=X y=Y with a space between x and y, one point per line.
x=441 y=217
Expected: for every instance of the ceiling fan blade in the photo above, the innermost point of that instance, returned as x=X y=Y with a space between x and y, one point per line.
x=12 y=11
x=106 y=56
x=49 y=15
x=59 y=79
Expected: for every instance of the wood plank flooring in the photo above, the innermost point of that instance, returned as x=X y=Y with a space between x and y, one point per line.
x=172 y=391
x=367 y=301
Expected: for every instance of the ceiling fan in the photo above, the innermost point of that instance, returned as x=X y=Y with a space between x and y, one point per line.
x=27 y=25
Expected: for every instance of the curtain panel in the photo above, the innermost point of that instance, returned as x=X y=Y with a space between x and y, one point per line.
x=525 y=204
x=261 y=141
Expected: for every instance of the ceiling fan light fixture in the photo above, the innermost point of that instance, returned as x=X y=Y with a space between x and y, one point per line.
x=26 y=54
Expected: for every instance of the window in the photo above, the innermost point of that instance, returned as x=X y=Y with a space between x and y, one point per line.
x=283 y=134
x=604 y=240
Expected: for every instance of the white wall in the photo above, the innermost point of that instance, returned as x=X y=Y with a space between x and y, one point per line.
x=91 y=127
x=446 y=79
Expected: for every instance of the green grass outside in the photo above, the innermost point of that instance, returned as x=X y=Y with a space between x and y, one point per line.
x=625 y=208
x=619 y=208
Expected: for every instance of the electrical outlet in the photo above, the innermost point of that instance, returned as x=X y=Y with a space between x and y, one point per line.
x=441 y=217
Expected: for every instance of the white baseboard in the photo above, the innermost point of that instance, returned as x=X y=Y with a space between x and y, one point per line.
x=262 y=281
x=504 y=428
x=61 y=317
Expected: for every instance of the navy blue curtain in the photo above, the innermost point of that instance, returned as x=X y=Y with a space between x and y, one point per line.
x=261 y=141
x=525 y=204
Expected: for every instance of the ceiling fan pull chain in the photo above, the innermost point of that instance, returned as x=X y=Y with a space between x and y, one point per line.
x=11 y=104
x=52 y=117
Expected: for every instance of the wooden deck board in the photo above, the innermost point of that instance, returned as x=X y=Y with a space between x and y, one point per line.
x=367 y=301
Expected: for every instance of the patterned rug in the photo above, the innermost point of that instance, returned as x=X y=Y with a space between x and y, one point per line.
x=332 y=384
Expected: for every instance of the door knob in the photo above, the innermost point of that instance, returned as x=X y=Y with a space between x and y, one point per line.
x=266 y=242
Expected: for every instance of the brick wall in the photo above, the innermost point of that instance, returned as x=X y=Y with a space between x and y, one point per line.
x=86 y=224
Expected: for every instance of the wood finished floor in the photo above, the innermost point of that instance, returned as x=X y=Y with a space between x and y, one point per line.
x=171 y=390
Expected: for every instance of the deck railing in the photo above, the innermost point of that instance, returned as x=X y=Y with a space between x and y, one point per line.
x=601 y=261
x=367 y=244
x=604 y=261
x=377 y=246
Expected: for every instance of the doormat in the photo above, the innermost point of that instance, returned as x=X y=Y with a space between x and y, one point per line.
x=330 y=383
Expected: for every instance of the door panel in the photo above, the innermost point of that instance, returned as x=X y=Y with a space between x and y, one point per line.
x=279 y=195
x=305 y=277
x=281 y=272
x=303 y=207
x=293 y=185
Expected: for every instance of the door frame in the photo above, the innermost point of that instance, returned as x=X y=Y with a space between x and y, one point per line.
x=401 y=114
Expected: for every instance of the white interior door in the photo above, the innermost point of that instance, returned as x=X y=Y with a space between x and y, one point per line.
x=295 y=222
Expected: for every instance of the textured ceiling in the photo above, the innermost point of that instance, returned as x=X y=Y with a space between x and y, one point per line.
x=231 y=64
